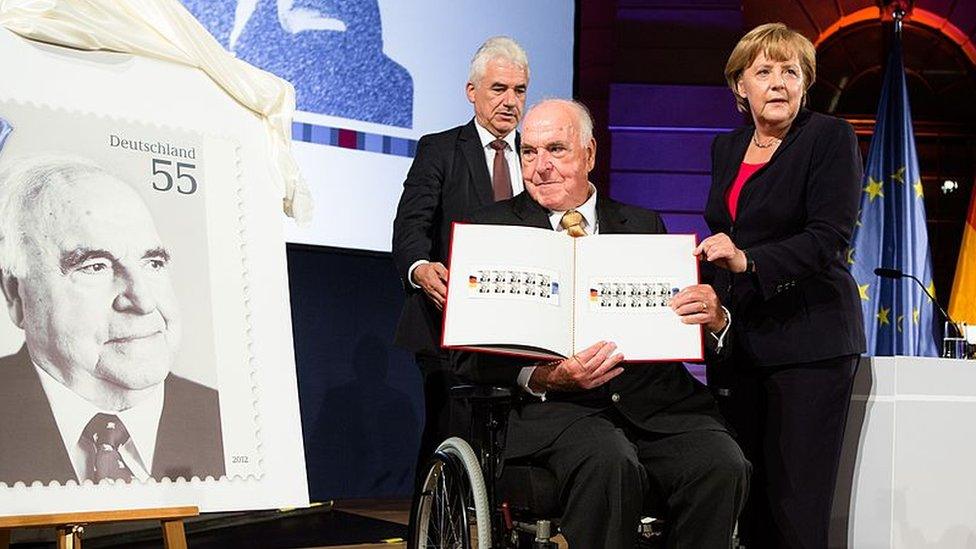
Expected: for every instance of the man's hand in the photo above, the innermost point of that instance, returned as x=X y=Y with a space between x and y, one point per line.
x=720 y=250
x=432 y=278
x=698 y=304
x=590 y=368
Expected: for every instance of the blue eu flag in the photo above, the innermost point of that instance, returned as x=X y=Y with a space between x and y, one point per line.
x=891 y=229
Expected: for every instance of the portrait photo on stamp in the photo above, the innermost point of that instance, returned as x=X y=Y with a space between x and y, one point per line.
x=108 y=367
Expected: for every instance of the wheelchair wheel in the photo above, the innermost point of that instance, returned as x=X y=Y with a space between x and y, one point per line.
x=452 y=503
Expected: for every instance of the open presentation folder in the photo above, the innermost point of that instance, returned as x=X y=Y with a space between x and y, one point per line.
x=541 y=293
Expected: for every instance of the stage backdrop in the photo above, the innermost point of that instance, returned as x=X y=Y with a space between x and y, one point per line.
x=165 y=257
x=371 y=77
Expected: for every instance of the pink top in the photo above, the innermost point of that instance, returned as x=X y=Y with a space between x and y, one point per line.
x=732 y=197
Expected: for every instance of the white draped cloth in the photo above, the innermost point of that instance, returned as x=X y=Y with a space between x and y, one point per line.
x=164 y=29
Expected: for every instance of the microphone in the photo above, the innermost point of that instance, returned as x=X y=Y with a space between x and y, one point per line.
x=888 y=273
x=885 y=272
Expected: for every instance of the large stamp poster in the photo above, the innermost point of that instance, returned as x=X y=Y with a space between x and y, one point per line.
x=145 y=351
x=110 y=291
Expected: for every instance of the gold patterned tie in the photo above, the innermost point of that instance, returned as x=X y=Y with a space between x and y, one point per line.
x=572 y=221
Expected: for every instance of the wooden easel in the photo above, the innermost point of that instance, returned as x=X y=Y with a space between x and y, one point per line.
x=71 y=525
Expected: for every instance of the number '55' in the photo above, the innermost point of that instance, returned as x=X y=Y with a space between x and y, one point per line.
x=183 y=179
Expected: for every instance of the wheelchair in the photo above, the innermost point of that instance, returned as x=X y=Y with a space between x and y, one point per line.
x=467 y=499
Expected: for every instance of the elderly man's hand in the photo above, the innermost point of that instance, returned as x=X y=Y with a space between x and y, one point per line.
x=720 y=250
x=432 y=278
x=698 y=304
x=587 y=369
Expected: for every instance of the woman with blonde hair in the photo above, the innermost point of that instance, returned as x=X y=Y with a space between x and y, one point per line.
x=782 y=209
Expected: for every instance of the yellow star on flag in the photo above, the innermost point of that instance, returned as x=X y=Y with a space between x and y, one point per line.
x=900 y=318
x=919 y=192
x=931 y=288
x=850 y=256
x=899 y=176
x=873 y=189
x=863 y=290
x=915 y=314
x=883 y=315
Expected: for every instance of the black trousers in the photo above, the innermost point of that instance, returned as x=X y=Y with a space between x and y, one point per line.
x=606 y=471
x=442 y=417
x=790 y=423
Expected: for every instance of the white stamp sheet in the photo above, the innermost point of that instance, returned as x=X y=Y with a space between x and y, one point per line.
x=631 y=294
x=532 y=284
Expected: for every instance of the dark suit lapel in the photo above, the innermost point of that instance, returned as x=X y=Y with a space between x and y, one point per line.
x=791 y=135
x=798 y=123
x=189 y=441
x=740 y=143
x=739 y=147
x=609 y=216
x=474 y=155
x=30 y=441
x=530 y=213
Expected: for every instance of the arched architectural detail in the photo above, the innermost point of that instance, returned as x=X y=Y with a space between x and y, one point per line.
x=917 y=15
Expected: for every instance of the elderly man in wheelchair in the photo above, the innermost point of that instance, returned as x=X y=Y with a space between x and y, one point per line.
x=588 y=441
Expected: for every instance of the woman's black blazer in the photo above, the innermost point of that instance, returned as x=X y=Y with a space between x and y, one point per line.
x=795 y=219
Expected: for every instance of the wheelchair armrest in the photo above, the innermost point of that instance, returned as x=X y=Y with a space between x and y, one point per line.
x=481 y=392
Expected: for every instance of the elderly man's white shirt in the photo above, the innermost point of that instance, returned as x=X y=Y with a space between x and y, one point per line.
x=72 y=412
x=587 y=210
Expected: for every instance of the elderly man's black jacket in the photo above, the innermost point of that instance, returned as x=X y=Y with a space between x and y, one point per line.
x=795 y=218
x=659 y=397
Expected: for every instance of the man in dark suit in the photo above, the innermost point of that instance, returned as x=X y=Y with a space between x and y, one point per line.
x=90 y=395
x=612 y=435
x=454 y=173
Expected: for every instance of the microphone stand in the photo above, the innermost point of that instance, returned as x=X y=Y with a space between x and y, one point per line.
x=895 y=274
x=945 y=314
